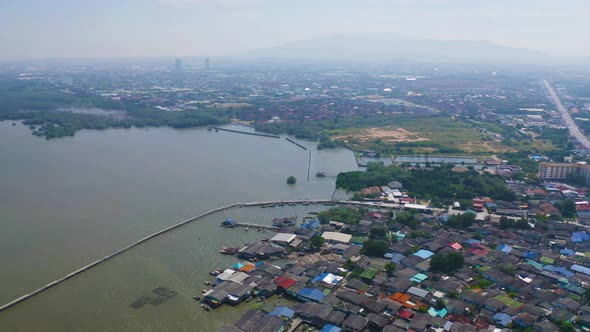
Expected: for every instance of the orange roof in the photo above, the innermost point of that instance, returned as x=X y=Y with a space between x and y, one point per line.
x=400 y=297
x=248 y=268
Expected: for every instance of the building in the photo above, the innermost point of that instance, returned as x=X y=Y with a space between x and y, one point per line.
x=283 y=239
x=336 y=237
x=559 y=171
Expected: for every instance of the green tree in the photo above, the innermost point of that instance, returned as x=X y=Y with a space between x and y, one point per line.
x=375 y=248
x=317 y=241
x=446 y=263
x=342 y=214
x=291 y=180
x=567 y=207
x=377 y=233
x=389 y=268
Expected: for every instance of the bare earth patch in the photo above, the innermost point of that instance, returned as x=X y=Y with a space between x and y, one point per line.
x=386 y=134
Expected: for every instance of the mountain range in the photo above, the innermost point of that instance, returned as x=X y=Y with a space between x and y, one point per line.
x=383 y=48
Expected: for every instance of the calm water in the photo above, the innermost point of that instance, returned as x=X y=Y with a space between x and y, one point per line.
x=66 y=202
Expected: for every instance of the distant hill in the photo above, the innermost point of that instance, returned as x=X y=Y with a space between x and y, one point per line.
x=395 y=48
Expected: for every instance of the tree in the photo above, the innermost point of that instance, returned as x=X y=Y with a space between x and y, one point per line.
x=567 y=208
x=341 y=214
x=375 y=248
x=461 y=221
x=506 y=223
x=446 y=263
x=291 y=180
x=377 y=233
x=317 y=241
x=389 y=268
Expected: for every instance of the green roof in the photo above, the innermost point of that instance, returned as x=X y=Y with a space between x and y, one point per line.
x=368 y=274
x=419 y=278
x=534 y=264
x=508 y=301
x=547 y=260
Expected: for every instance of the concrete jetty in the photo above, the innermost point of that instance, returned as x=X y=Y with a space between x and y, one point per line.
x=245 y=132
x=299 y=145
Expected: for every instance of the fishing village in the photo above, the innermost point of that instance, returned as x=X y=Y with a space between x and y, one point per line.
x=403 y=266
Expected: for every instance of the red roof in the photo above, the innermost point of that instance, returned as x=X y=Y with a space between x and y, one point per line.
x=287 y=283
x=456 y=246
x=280 y=279
x=405 y=314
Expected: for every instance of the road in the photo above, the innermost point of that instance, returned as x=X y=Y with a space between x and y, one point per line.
x=571 y=125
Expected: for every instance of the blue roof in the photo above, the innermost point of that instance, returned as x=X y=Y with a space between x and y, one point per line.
x=283 y=311
x=423 y=253
x=581 y=269
x=320 y=277
x=580 y=237
x=502 y=318
x=311 y=293
x=559 y=270
x=567 y=252
x=505 y=248
x=444 y=217
x=530 y=255
x=331 y=328
x=312 y=224
x=397 y=258
x=472 y=241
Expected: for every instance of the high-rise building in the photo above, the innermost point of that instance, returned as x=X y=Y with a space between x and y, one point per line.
x=207 y=64
x=178 y=65
x=560 y=171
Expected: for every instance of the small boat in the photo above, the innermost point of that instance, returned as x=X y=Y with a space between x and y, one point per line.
x=247 y=228
x=229 y=250
x=14 y=124
x=204 y=291
x=197 y=298
x=206 y=307
x=320 y=174
x=207 y=283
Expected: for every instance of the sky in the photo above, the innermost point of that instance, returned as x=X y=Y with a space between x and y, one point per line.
x=31 y=29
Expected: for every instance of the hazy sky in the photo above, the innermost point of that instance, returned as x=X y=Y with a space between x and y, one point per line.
x=119 y=28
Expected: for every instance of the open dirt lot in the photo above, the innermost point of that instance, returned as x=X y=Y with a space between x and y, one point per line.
x=386 y=134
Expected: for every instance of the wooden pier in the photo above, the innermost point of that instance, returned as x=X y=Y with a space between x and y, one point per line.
x=245 y=132
x=257 y=226
x=299 y=145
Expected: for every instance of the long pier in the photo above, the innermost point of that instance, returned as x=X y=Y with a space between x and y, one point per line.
x=259 y=226
x=180 y=224
x=246 y=132
x=299 y=145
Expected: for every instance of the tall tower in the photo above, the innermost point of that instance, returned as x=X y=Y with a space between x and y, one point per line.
x=178 y=66
x=207 y=64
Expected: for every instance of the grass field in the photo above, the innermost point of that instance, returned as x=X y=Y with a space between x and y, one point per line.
x=420 y=135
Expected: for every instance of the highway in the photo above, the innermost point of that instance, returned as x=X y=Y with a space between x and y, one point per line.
x=571 y=125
